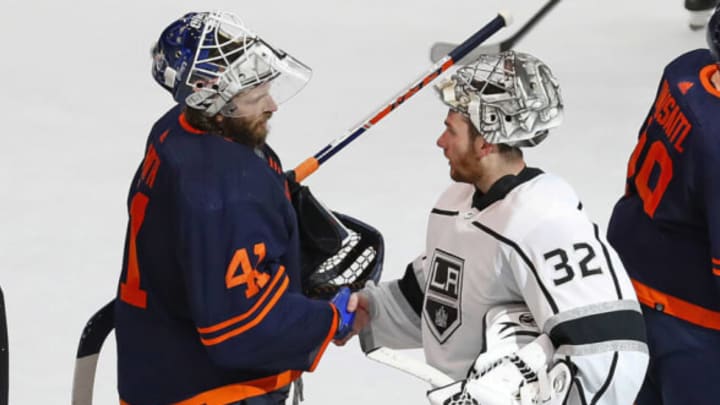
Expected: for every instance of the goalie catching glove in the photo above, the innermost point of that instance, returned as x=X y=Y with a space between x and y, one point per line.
x=514 y=368
x=337 y=250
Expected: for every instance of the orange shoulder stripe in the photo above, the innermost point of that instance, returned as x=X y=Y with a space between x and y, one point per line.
x=226 y=323
x=254 y=322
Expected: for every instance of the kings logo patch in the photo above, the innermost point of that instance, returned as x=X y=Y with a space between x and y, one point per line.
x=442 y=295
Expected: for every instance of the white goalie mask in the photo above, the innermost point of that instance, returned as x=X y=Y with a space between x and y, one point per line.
x=205 y=59
x=511 y=98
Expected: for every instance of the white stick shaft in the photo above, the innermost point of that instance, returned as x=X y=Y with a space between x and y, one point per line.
x=409 y=365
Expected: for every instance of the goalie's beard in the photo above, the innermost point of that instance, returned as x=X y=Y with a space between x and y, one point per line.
x=247 y=131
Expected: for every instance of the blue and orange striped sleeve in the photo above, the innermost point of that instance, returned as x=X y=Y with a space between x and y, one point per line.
x=241 y=263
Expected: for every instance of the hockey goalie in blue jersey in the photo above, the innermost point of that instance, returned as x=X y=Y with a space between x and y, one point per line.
x=213 y=304
x=666 y=229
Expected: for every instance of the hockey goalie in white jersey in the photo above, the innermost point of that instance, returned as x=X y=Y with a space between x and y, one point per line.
x=517 y=297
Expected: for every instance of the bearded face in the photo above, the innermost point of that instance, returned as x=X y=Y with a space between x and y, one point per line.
x=251 y=131
x=245 y=118
x=459 y=148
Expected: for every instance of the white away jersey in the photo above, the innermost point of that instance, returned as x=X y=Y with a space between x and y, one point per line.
x=527 y=240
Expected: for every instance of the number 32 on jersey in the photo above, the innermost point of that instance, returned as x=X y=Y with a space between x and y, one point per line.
x=566 y=263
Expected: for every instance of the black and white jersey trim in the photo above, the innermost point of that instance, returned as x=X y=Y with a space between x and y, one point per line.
x=609 y=262
x=405 y=306
x=599 y=328
x=410 y=289
x=444 y=212
x=525 y=259
x=598 y=324
x=581 y=390
x=604 y=347
x=609 y=378
x=593 y=309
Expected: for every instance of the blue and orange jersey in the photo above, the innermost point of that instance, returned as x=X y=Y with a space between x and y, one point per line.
x=209 y=308
x=667 y=226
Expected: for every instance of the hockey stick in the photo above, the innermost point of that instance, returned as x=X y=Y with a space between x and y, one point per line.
x=440 y=49
x=93 y=336
x=4 y=354
x=415 y=368
x=310 y=165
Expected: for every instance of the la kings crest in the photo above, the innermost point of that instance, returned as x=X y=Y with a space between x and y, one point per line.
x=442 y=295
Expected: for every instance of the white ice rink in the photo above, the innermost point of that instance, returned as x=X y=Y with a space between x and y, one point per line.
x=78 y=100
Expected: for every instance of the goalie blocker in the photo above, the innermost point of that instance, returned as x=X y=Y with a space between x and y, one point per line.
x=337 y=249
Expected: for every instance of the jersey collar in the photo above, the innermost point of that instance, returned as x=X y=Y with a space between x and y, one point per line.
x=705 y=75
x=186 y=125
x=502 y=187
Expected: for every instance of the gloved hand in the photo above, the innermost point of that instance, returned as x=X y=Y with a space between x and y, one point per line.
x=346 y=318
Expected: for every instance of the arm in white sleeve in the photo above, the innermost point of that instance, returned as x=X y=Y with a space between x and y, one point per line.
x=581 y=297
x=395 y=311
